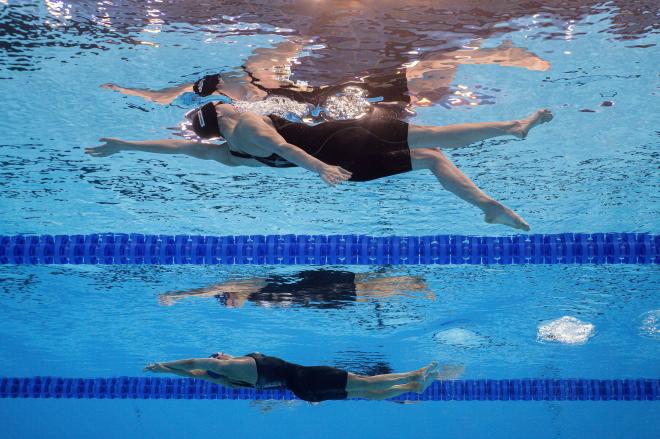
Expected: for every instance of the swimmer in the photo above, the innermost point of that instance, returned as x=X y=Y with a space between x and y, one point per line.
x=309 y=383
x=351 y=150
x=325 y=289
x=268 y=71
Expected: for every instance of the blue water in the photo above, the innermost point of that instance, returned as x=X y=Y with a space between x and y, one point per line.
x=594 y=168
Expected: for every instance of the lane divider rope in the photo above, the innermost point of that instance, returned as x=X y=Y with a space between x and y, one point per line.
x=640 y=389
x=131 y=248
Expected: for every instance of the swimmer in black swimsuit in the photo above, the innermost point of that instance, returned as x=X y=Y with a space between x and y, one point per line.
x=309 y=383
x=356 y=150
x=323 y=289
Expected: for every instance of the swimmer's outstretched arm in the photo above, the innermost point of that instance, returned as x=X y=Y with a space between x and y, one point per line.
x=211 y=364
x=194 y=373
x=163 y=96
x=200 y=150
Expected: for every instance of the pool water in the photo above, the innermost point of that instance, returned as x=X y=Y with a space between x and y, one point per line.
x=594 y=168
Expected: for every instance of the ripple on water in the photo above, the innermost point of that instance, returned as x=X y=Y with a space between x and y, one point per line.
x=648 y=324
x=566 y=330
x=461 y=338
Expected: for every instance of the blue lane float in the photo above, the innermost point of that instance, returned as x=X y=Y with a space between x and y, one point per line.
x=640 y=389
x=124 y=248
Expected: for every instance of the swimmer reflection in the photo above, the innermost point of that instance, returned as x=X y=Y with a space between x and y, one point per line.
x=422 y=83
x=324 y=289
x=309 y=383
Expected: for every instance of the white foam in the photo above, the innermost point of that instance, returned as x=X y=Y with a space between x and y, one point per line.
x=648 y=324
x=352 y=103
x=277 y=105
x=567 y=330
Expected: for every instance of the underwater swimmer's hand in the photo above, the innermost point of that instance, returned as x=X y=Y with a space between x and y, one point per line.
x=333 y=175
x=156 y=368
x=110 y=147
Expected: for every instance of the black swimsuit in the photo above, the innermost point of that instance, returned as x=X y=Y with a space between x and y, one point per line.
x=371 y=147
x=324 y=289
x=309 y=383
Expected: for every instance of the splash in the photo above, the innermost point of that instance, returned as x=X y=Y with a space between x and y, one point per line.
x=277 y=105
x=352 y=103
x=566 y=330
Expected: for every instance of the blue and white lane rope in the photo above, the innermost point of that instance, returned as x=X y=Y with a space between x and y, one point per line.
x=131 y=248
x=640 y=389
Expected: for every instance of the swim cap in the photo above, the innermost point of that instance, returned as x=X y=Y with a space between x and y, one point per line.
x=207 y=85
x=205 y=121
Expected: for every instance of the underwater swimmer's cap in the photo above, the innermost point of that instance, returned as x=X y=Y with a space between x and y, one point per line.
x=205 y=121
x=207 y=85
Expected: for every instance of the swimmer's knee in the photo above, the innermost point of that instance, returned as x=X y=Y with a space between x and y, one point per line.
x=427 y=158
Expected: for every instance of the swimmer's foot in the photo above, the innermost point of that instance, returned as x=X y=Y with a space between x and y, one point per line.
x=418 y=377
x=428 y=380
x=420 y=374
x=496 y=213
x=521 y=127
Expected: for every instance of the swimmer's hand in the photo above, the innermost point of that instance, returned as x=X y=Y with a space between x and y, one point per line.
x=111 y=86
x=157 y=368
x=110 y=146
x=333 y=175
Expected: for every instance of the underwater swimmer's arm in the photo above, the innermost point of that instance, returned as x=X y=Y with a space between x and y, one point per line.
x=200 y=150
x=164 y=96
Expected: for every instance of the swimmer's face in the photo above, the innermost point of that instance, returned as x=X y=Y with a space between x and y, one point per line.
x=229 y=300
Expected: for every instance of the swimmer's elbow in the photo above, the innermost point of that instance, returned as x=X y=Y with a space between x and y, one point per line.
x=283 y=149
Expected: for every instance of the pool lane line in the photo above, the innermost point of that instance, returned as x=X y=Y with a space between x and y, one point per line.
x=133 y=248
x=638 y=389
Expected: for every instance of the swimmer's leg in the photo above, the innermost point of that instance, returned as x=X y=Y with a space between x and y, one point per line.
x=363 y=383
x=390 y=392
x=457 y=136
x=452 y=179
x=417 y=386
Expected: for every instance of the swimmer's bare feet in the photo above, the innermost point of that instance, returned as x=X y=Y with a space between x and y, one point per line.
x=420 y=374
x=521 y=127
x=448 y=372
x=428 y=380
x=496 y=213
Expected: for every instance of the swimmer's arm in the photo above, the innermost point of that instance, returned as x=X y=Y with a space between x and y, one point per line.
x=200 y=150
x=194 y=373
x=163 y=96
x=211 y=364
x=266 y=138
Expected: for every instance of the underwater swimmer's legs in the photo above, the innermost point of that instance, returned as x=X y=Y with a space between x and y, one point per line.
x=458 y=136
x=452 y=179
x=424 y=155
x=391 y=385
